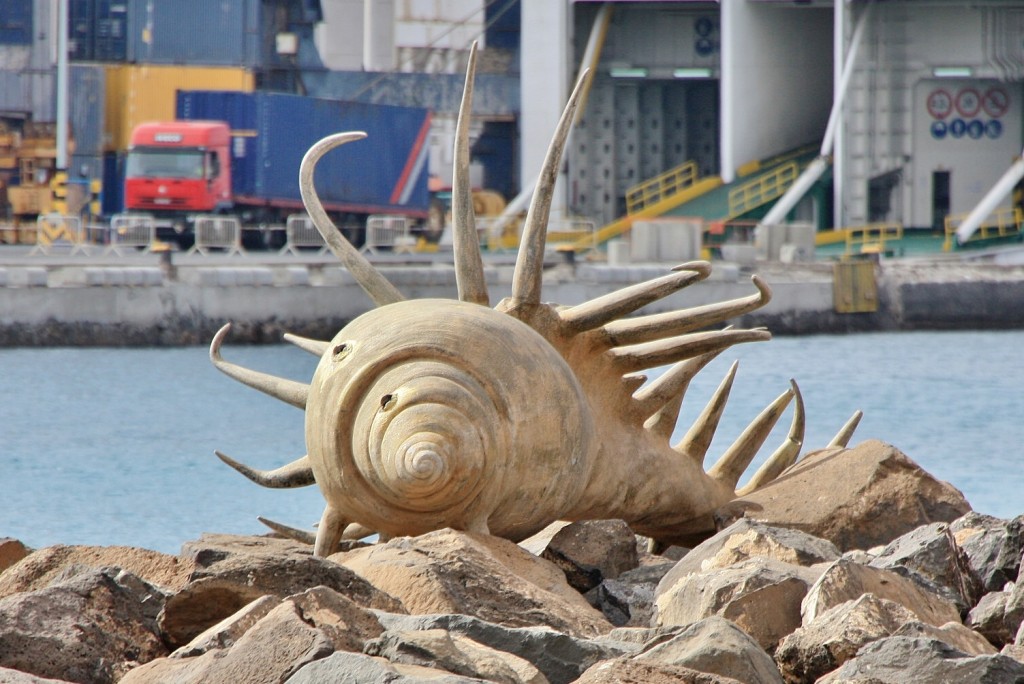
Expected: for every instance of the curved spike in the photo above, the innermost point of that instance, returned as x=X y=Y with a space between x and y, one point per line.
x=526 y=280
x=469 y=266
x=614 y=305
x=738 y=456
x=697 y=440
x=662 y=352
x=298 y=473
x=842 y=437
x=373 y=283
x=353 y=532
x=655 y=326
x=329 y=532
x=288 y=391
x=662 y=399
x=314 y=347
x=787 y=452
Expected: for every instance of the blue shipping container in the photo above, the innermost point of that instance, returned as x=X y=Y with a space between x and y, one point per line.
x=195 y=32
x=386 y=172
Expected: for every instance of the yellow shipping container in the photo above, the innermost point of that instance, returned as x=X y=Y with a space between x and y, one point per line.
x=137 y=93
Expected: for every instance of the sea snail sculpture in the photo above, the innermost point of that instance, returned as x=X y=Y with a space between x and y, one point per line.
x=441 y=413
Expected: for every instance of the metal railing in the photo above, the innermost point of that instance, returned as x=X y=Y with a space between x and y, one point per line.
x=131 y=231
x=301 y=233
x=384 y=231
x=660 y=187
x=217 y=232
x=871 y=238
x=1002 y=223
x=53 y=230
x=763 y=189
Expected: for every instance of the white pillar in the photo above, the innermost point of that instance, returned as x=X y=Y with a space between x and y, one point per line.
x=62 y=85
x=839 y=144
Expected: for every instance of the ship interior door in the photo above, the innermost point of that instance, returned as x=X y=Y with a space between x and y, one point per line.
x=940 y=199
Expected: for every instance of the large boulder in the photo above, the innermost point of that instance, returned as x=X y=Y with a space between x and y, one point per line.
x=591 y=551
x=356 y=668
x=11 y=551
x=626 y=671
x=856 y=498
x=475 y=574
x=628 y=600
x=9 y=676
x=999 y=614
x=89 y=626
x=993 y=547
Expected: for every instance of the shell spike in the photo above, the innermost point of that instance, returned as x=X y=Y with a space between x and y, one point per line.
x=660 y=352
x=289 y=532
x=314 y=347
x=288 y=391
x=614 y=305
x=842 y=437
x=469 y=267
x=329 y=532
x=654 y=326
x=662 y=398
x=526 y=280
x=738 y=456
x=786 y=454
x=370 y=279
x=298 y=473
x=698 y=438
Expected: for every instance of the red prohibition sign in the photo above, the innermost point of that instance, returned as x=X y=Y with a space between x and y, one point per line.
x=968 y=102
x=995 y=102
x=940 y=103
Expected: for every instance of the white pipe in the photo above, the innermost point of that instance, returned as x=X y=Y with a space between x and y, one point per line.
x=62 y=85
x=991 y=200
x=817 y=168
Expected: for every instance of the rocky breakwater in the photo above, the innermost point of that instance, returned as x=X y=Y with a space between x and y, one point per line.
x=856 y=565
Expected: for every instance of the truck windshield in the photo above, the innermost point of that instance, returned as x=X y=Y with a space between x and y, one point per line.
x=164 y=163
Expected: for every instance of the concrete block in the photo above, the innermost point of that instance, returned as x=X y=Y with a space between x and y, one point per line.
x=618 y=252
x=740 y=254
x=791 y=253
x=263 y=277
x=36 y=276
x=668 y=239
x=94 y=277
x=3 y=277
x=296 y=275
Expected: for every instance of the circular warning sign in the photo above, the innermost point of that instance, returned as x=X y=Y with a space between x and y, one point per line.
x=940 y=103
x=968 y=102
x=995 y=102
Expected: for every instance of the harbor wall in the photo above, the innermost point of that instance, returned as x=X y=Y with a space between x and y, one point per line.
x=153 y=305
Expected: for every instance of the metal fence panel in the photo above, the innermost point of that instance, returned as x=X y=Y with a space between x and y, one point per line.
x=217 y=232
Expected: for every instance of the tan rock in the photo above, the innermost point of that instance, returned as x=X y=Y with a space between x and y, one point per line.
x=227 y=631
x=845 y=580
x=40 y=568
x=856 y=498
x=457 y=654
x=9 y=676
x=357 y=668
x=487 y=577
x=590 y=551
x=625 y=671
x=760 y=595
x=953 y=633
x=11 y=551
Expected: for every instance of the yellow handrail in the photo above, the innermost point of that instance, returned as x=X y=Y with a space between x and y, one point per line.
x=763 y=189
x=658 y=188
x=871 y=238
x=1001 y=223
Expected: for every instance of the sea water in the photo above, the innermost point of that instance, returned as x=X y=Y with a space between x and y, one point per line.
x=115 y=446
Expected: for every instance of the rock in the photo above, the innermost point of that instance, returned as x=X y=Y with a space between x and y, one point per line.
x=560 y=657
x=717 y=646
x=999 y=614
x=760 y=595
x=835 y=636
x=456 y=654
x=273 y=649
x=538 y=542
x=356 y=668
x=227 y=631
x=8 y=676
x=474 y=574
x=11 y=551
x=591 y=551
x=39 y=568
x=845 y=580
x=953 y=633
x=931 y=556
x=625 y=671
x=907 y=660
x=90 y=626
x=231 y=572
x=856 y=498
x=747 y=538
x=993 y=547
x=629 y=599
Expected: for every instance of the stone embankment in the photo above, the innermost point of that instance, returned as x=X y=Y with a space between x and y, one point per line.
x=139 y=301
x=855 y=565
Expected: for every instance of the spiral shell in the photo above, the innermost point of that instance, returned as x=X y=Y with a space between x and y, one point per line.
x=443 y=413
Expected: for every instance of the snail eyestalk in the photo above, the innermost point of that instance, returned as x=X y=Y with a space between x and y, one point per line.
x=288 y=391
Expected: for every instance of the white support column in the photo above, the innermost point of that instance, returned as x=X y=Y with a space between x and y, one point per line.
x=839 y=144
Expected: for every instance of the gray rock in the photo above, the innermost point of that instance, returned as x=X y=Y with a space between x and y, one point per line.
x=356 y=668
x=907 y=660
x=560 y=657
x=993 y=547
x=930 y=556
x=747 y=538
x=718 y=646
x=762 y=596
x=624 y=670
x=8 y=676
x=629 y=599
x=591 y=551
x=954 y=634
x=999 y=614
x=90 y=626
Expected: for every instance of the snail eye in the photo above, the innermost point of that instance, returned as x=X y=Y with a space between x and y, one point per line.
x=340 y=351
x=387 y=401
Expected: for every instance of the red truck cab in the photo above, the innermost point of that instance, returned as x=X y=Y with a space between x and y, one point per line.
x=178 y=169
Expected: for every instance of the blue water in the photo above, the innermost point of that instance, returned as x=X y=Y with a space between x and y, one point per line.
x=115 y=446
